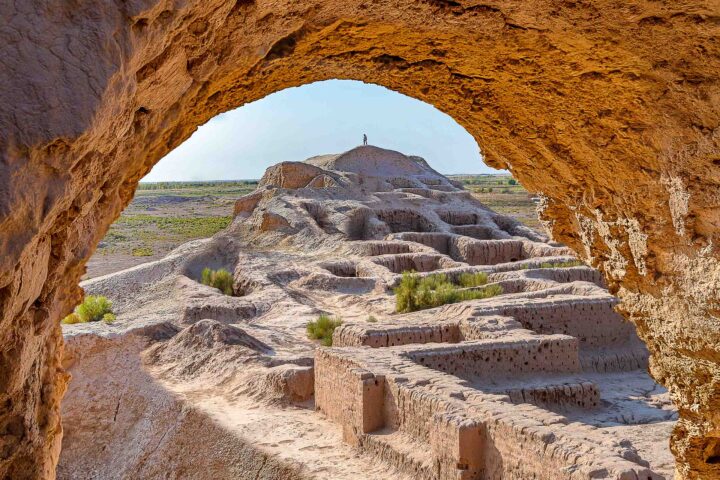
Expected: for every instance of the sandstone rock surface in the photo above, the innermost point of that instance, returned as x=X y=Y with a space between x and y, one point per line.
x=609 y=109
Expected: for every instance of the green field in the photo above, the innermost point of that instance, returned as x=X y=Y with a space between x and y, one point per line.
x=503 y=194
x=164 y=215
x=236 y=188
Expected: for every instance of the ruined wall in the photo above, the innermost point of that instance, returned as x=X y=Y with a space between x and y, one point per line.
x=488 y=359
x=610 y=109
x=434 y=426
x=592 y=320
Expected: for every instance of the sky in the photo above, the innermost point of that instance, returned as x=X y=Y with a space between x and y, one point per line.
x=315 y=119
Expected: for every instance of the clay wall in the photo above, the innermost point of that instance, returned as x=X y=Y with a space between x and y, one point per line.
x=480 y=232
x=593 y=321
x=405 y=221
x=488 y=359
x=436 y=240
x=486 y=252
x=568 y=395
x=395 y=335
x=418 y=262
x=348 y=394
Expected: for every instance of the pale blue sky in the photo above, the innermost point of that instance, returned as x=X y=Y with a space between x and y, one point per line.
x=323 y=117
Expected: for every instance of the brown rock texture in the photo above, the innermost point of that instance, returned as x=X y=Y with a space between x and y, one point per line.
x=290 y=175
x=609 y=109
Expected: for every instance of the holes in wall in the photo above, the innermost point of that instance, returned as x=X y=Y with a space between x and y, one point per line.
x=341 y=269
x=411 y=262
x=405 y=221
x=459 y=218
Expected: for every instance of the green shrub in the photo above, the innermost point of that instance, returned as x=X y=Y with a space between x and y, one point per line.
x=93 y=309
x=416 y=293
x=372 y=319
x=512 y=181
x=220 y=279
x=322 y=329
x=142 y=252
x=71 y=319
x=472 y=279
x=571 y=263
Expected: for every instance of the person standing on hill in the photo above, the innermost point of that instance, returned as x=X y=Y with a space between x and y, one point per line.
x=364 y=139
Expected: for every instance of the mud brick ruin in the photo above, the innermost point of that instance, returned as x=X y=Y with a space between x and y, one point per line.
x=545 y=380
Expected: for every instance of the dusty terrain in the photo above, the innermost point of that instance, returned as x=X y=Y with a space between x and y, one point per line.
x=543 y=381
x=162 y=216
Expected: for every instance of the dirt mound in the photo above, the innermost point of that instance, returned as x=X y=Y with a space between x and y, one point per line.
x=209 y=333
x=376 y=162
x=289 y=175
x=206 y=335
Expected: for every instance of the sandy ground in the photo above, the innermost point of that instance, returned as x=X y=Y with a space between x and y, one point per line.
x=295 y=435
x=115 y=251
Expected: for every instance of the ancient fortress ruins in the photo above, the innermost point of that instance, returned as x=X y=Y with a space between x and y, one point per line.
x=544 y=380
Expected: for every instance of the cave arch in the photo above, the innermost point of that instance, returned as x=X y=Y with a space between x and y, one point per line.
x=611 y=111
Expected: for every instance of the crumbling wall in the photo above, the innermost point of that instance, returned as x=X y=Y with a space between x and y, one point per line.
x=500 y=358
x=486 y=252
x=434 y=427
x=594 y=321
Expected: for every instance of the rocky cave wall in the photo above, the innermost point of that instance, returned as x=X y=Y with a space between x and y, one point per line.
x=609 y=109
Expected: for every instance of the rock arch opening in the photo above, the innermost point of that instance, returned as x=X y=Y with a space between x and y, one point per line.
x=606 y=109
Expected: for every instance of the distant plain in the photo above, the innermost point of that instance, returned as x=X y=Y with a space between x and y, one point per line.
x=164 y=215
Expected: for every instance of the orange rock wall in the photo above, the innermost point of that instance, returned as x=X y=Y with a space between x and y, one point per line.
x=609 y=109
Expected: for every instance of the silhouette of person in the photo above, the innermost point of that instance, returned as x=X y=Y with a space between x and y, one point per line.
x=364 y=139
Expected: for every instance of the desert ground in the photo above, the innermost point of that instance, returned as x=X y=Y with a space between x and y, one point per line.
x=163 y=216
x=374 y=320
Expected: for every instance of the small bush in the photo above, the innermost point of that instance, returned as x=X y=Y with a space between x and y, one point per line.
x=512 y=181
x=473 y=279
x=322 y=329
x=220 y=279
x=93 y=309
x=71 y=319
x=572 y=263
x=142 y=252
x=372 y=319
x=416 y=293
